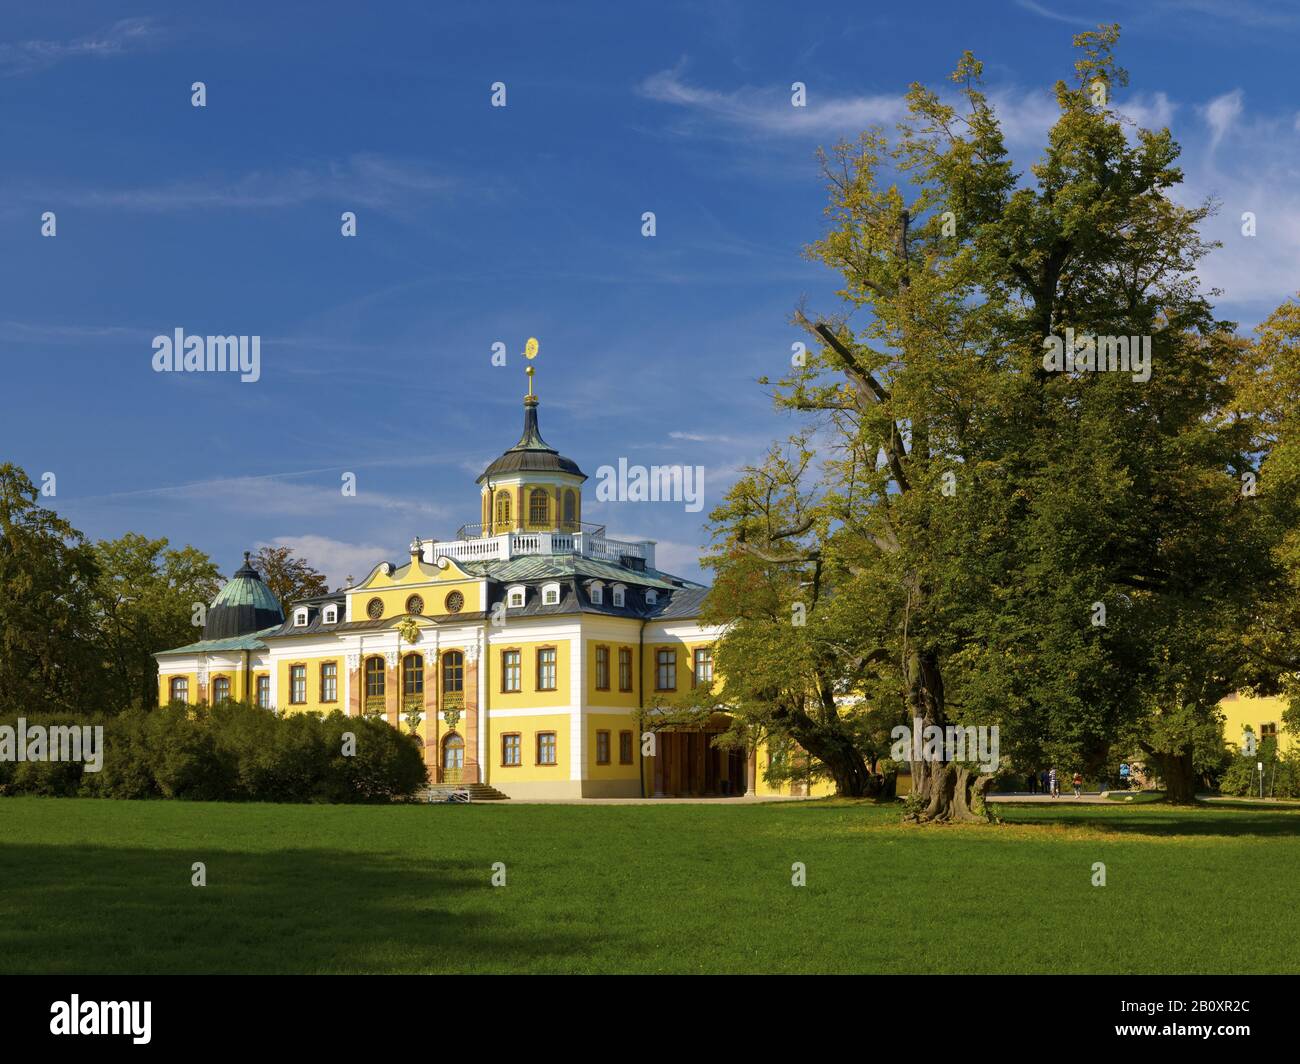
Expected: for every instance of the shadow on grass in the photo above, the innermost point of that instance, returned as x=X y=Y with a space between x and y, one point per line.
x=88 y=909
x=1154 y=818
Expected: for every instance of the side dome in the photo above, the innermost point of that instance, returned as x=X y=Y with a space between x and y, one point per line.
x=245 y=605
x=531 y=454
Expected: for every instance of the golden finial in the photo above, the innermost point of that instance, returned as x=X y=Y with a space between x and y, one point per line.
x=530 y=353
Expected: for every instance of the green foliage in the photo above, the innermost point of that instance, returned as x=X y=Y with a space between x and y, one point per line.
x=231 y=752
x=145 y=595
x=289 y=578
x=47 y=622
x=954 y=516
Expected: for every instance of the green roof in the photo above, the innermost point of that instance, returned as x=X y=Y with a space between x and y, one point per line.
x=541 y=566
x=239 y=642
x=243 y=590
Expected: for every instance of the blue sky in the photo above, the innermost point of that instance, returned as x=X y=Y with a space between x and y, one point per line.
x=480 y=224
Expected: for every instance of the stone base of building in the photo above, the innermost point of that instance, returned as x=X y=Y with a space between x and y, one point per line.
x=524 y=790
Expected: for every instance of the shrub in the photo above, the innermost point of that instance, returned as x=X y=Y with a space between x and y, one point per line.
x=231 y=752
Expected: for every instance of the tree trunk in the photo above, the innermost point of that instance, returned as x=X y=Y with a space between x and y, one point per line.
x=943 y=792
x=843 y=760
x=1179 y=774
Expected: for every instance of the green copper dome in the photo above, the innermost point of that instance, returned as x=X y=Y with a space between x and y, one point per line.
x=243 y=606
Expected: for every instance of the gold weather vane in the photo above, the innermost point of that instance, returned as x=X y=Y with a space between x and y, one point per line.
x=530 y=353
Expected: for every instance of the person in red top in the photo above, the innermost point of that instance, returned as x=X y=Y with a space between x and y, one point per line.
x=1078 y=783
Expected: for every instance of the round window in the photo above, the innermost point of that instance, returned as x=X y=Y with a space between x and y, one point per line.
x=415 y=604
x=455 y=602
x=375 y=609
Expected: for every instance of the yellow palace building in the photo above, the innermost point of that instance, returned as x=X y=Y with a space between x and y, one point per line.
x=520 y=652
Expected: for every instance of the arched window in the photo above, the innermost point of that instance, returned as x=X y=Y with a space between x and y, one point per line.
x=539 y=507
x=413 y=674
x=503 y=511
x=221 y=689
x=570 y=510
x=453 y=672
x=180 y=689
x=374 y=677
x=453 y=751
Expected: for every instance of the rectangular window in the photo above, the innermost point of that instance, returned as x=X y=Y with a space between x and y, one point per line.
x=602 y=748
x=625 y=748
x=221 y=689
x=625 y=668
x=180 y=689
x=602 y=668
x=546 y=748
x=264 y=692
x=329 y=682
x=1268 y=731
x=546 y=669
x=666 y=673
x=511 y=749
x=297 y=684
x=703 y=666
x=511 y=679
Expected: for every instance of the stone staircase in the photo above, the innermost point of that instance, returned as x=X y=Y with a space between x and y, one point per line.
x=478 y=792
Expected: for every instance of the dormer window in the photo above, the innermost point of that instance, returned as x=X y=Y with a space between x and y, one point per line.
x=515 y=598
x=331 y=615
x=651 y=597
x=300 y=617
x=550 y=594
x=619 y=593
x=597 y=590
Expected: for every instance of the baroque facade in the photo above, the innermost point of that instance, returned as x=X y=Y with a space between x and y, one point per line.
x=523 y=653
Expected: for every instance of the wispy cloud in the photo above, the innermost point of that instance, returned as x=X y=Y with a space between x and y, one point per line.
x=125 y=35
x=1039 y=9
x=700 y=437
x=336 y=558
x=769 y=110
x=363 y=180
x=1221 y=113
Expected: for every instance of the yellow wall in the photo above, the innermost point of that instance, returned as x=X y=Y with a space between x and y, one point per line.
x=529 y=697
x=613 y=696
x=528 y=771
x=313 y=703
x=234 y=673
x=612 y=723
x=428 y=581
x=1240 y=710
x=685 y=667
x=164 y=687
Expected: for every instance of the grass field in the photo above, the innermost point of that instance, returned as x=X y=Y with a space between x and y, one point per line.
x=104 y=886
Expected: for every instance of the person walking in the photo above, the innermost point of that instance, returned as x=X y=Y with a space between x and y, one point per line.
x=1052 y=787
x=1078 y=783
x=1042 y=781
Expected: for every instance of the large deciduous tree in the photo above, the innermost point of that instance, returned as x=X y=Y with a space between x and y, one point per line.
x=290 y=578
x=146 y=595
x=988 y=538
x=48 y=657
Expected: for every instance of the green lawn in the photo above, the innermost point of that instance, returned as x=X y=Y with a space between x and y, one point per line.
x=104 y=886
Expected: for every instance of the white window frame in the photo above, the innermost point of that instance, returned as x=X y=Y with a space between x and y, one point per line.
x=651 y=597
x=597 y=590
x=619 y=595
x=331 y=615
x=549 y=590
x=517 y=591
x=300 y=617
